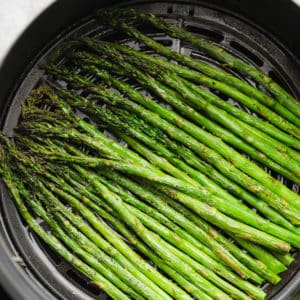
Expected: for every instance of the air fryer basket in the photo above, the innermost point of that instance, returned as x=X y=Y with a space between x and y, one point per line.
x=46 y=271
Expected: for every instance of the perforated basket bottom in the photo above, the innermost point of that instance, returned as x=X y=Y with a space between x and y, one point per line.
x=238 y=36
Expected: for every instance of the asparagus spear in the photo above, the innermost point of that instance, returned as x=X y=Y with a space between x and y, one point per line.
x=210 y=155
x=138 y=244
x=213 y=50
x=97 y=209
x=136 y=124
x=255 y=250
x=112 y=120
x=174 y=99
x=286 y=259
x=258 y=267
x=85 y=253
x=238 y=283
x=218 y=202
x=169 y=237
x=192 y=94
x=178 y=278
x=161 y=143
x=151 y=198
x=159 y=201
x=89 y=195
x=264 y=256
x=106 y=144
x=268 y=128
x=152 y=239
x=221 y=206
x=14 y=186
x=195 y=76
x=156 y=243
x=129 y=199
x=192 y=289
x=196 y=96
x=211 y=213
x=148 y=210
x=134 y=129
x=127 y=256
x=91 y=248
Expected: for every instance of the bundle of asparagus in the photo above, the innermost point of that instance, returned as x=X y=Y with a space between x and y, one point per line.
x=173 y=203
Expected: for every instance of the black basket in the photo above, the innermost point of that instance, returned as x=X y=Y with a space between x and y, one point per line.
x=29 y=269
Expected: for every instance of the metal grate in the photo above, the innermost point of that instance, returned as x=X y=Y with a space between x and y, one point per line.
x=234 y=34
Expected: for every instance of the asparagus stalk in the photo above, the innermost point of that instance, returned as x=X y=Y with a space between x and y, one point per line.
x=220 y=85
x=208 y=262
x=156 y=243
x=169 y=236
x=192 y=289
x=174 y=99
x=152 y=239
x=259 y=268
x=282 y=96
x=192 y=93
x=255 y=250
x=142 y=291
x=253 y=136
x=163 y=73
x=286 y=259
x=152 y=199
x=133 y=125
x=161 y=143
x=224 y=166
x=84 y=252
x=198 y=294
x=237 y=282
x=97 y=209
x=108 y=117
x=160 y=202
x=124 y=254
x=106 y=144
x=157 y=176
x=129 y=199
x=14 y=186
x=136 y=242
x=255 y=122
x=213 y=50
x=245 y=231
x=264 y=256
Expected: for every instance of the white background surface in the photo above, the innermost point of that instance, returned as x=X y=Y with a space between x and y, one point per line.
x=15 y=15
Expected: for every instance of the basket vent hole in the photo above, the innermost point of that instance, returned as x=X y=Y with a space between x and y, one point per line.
x=80 y=280
x=166 y=42
x=170 y=9
x=247 y=53
x=210 y=34
x=191 y=11
x=114 y=36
